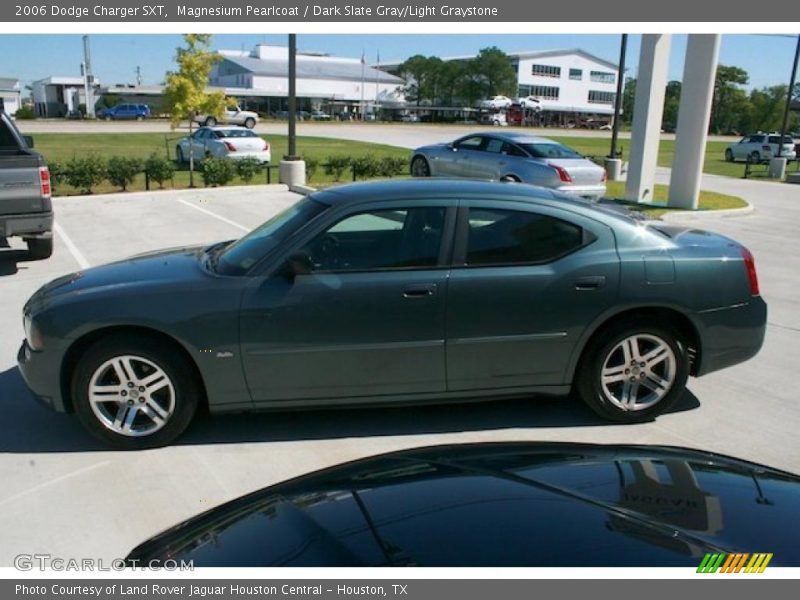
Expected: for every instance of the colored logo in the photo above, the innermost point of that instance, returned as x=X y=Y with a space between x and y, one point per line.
x=735 y=563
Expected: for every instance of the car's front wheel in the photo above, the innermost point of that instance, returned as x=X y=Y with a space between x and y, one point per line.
x=132 y=392
x=729 y=155
x=420 y=167
x=633 y=371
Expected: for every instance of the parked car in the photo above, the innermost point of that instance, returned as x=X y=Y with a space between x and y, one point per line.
x=396 y=292
x=760 y=147
x=494 y=118
x=224 y=142
x=25 y=191
x=234 y=116
x=512 y=156
x=318 y=115
x=497 y=102
x=530 y=103
x=500 y=505
x=139 y=112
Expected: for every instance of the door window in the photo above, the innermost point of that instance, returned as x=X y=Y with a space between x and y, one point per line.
x=508 y=237
x=493 y=145
x=471 y=143
x=380 y=239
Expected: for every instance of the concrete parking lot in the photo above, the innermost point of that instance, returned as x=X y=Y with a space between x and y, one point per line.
x=64 y=495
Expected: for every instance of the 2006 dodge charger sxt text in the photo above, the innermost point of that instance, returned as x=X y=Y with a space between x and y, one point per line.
x=396 y=292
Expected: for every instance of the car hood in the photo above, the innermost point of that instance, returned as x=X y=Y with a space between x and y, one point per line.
x=170 y=265
x=507 y=504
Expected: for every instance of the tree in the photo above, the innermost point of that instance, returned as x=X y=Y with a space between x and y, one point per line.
x=729 y=98
x=450 y=79
x=185 y=93
x=767 y=106
x=628 y=100
x=672 y=99
x=417 y=71
x=492 y=73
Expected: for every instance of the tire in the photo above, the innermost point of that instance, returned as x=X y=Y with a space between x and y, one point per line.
x=510 y=179
x=210 y=122
x=108 y=117
x=420 y=167
x=145 y=419
x=250 y=122
x=657 y=386
x=179 y=155
x=40 y=248
x=729 y=155
x=139 y=118
x=755 y=157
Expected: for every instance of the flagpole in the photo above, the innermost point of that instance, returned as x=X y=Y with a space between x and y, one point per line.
x=377 y=76
x=363 y=65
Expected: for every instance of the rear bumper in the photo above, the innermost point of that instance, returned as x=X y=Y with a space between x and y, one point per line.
x=42 y=376
x=732 y=335
x=27 y=224
x=263 y=157
x=593 y=192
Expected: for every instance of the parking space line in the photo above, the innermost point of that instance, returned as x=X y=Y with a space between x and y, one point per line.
x=215 y=215
x=73 y=249
x=53 y=481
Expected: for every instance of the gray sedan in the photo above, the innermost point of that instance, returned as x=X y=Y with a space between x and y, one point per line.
x=512 y=157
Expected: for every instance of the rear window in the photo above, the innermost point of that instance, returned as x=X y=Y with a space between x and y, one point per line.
x=773 y=139
x=234 y=133
x=8 y=142
x=550 y=150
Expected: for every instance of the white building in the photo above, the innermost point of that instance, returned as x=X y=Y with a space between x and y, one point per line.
x=58 y=96
x=331 y=83
x=9 y=95
x=569 y=82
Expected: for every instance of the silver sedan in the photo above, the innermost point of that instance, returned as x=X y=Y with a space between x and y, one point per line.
x=512 y=157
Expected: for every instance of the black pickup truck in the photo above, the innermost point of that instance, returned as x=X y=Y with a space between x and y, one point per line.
x=25 y=207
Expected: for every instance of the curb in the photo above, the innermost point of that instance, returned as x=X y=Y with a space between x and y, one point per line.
x=230 y=189
x=305 y=190
x=700 y=214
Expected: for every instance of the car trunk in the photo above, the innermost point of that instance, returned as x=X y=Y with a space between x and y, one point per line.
x=580 y=170
x=245 y=144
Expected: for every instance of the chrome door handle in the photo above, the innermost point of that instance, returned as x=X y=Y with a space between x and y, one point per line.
x=591 y=282
x=419 y=291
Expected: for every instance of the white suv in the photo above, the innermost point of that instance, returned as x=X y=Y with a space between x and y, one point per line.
x=760 y=147
x=234 y=116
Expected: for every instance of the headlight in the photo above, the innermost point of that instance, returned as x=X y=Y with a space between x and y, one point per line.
x=32 y=333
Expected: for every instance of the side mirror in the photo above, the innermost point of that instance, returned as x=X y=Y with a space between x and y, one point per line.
x=299 y=263
x=28 y=140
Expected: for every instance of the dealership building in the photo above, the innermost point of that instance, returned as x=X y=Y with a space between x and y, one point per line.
x=569 y=83
x=9 y=95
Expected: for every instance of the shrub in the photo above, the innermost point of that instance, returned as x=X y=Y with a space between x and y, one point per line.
x=390 y=166
x=86 y=172
x=159 y=169
x=247 y=169
x=57 y=174
x=335 y=166
x=312 y=164
x=366 y=167
x=121 y=171
x=217 y=171
x=25 y=113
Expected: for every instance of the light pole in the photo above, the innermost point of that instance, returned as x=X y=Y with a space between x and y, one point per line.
x=292 y=169
x=792 y=80
x=613 y=162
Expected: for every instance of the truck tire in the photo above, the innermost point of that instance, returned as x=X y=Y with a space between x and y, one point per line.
x=40 y=248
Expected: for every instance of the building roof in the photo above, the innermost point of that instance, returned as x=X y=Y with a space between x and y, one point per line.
x=313 y=68
x=527 y=54
x=9 y=84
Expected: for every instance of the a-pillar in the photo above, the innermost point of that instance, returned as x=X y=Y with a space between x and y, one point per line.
x=694 y=112
x=647 y=113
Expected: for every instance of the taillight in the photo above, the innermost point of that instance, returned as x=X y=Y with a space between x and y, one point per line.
x=562 y=173
x=767 y=148
x=266 y=146
x=750 y=266
x=604 y=177
x=44 y=182
x=229 y=146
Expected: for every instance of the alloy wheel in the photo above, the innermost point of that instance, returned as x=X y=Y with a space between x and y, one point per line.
x=638 y=372
x=131 y=395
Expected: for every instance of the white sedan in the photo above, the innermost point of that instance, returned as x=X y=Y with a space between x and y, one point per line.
x=530 y=103
x=223 y=142
x=234 y=116
x=497 y=102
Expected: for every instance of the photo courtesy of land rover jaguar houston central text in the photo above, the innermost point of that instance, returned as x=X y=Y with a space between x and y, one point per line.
x=396 y=292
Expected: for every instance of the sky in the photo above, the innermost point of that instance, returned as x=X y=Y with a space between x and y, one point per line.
x=768 y=59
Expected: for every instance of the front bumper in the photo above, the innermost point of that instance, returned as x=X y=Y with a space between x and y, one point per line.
x=732 y=335
x=42 y=376
x=27 y=224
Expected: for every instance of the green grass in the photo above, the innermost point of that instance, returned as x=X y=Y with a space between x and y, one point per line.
x=708 y=200
x=61 y=147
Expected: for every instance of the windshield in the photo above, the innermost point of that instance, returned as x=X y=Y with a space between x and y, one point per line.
x=549 y=150
x=237 y=258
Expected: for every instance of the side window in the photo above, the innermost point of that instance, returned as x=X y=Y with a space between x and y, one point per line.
x=512 y=150
x=380 y=239
x=7 y=140
x=471 y=143
x=506 y=237
x=493 y=145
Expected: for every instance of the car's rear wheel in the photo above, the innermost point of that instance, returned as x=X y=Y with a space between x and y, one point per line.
x=132 y=392
x=755 y=157
x=249 y=122
x=210 y=122
x=420 y=167
x=179 y=155
x=107 y=117
x=633 y=371
x=139 y=118
x=510 y=179
x=39 y=248
x=729 y=155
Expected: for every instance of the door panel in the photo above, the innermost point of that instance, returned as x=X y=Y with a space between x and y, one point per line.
x=516 y=326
